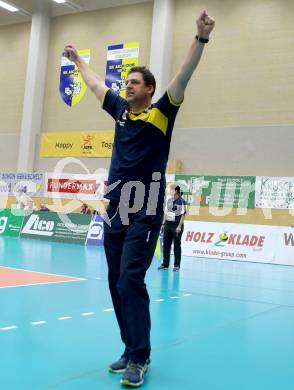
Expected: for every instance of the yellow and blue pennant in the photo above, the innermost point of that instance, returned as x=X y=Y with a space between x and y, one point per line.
x=72 y=87
x=120 y=59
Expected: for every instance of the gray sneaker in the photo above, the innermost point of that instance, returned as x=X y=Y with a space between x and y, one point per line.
x=134 y=374
x=118 y=367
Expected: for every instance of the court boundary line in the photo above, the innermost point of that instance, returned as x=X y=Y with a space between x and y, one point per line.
x=74 y=278
x=40 y=272
x=40 y=283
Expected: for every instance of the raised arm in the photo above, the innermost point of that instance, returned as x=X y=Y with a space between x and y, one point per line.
x=93 y=81
x=177 y=86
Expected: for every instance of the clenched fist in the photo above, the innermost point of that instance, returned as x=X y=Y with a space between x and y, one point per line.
x=71 y=53
x=205 y=25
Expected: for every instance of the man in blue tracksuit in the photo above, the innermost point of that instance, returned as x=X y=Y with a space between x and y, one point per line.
x=136 y=188
x=173 y=227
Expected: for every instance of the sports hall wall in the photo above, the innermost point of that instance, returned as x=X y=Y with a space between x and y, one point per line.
x=237 y=118
x=238 y=109
x=243 y=86
x=238 y=105
x=14 y=44
x=95 y=30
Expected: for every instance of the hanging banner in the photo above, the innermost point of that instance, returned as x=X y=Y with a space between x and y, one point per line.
x=11 y=222
x=77 y=144
x=218 y=191
x=72 y=87
x=60 y=227
x=120 y=59
x=30 y=183
x=230 y=241
x=96 y=232
x=285 y=246
x=75 y=186
x=274 y=192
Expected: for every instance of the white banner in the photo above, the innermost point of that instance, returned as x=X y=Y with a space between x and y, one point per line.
x=13 y=183
x=230 y=241
x=285 y=246
x=274 y=192
x=96 y=231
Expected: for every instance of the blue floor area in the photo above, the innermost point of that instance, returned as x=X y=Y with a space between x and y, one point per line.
x=217 y=325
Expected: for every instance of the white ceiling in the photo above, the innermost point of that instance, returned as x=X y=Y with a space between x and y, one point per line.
x=7 y=17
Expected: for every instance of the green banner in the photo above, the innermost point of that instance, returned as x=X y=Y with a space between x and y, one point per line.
x=11 y=222
x=218 y=191
x=60 y=227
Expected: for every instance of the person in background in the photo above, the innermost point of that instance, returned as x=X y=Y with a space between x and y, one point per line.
x=85 y=209
x=173 y=226
x=30 y=206
x=43 y=207
x=22 y=198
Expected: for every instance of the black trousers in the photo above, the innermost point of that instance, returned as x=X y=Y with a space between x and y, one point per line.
x=171 y=236
x=129 y=251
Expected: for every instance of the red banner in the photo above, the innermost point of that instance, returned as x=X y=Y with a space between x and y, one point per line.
x=70 y=186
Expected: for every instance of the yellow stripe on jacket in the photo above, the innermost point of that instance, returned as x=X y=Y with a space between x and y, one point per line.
x=153 y=116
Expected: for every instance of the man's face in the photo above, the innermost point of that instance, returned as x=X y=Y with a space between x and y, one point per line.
x=136 y=90
x=170 y=190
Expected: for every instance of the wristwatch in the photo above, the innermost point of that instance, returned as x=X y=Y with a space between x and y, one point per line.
x=202 y=40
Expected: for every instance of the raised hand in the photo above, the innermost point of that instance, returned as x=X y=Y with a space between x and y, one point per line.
x=205 y=25
x=71 y=52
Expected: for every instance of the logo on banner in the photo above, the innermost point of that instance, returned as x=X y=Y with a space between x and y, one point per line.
x=289 y=239
x=3 y=224
x=72 y=87
x=72 y=186
x=224 y=238
x=87 y=144
x=77 y=143
x=120 y=59
x=96 y=232
x=37 y=226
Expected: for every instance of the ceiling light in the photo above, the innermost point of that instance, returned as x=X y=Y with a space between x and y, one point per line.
x=73 y=5
x=70 y=4
x=8 y=7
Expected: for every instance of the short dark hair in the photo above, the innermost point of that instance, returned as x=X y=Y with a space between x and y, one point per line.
x=148 y=77
x=178 y=190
